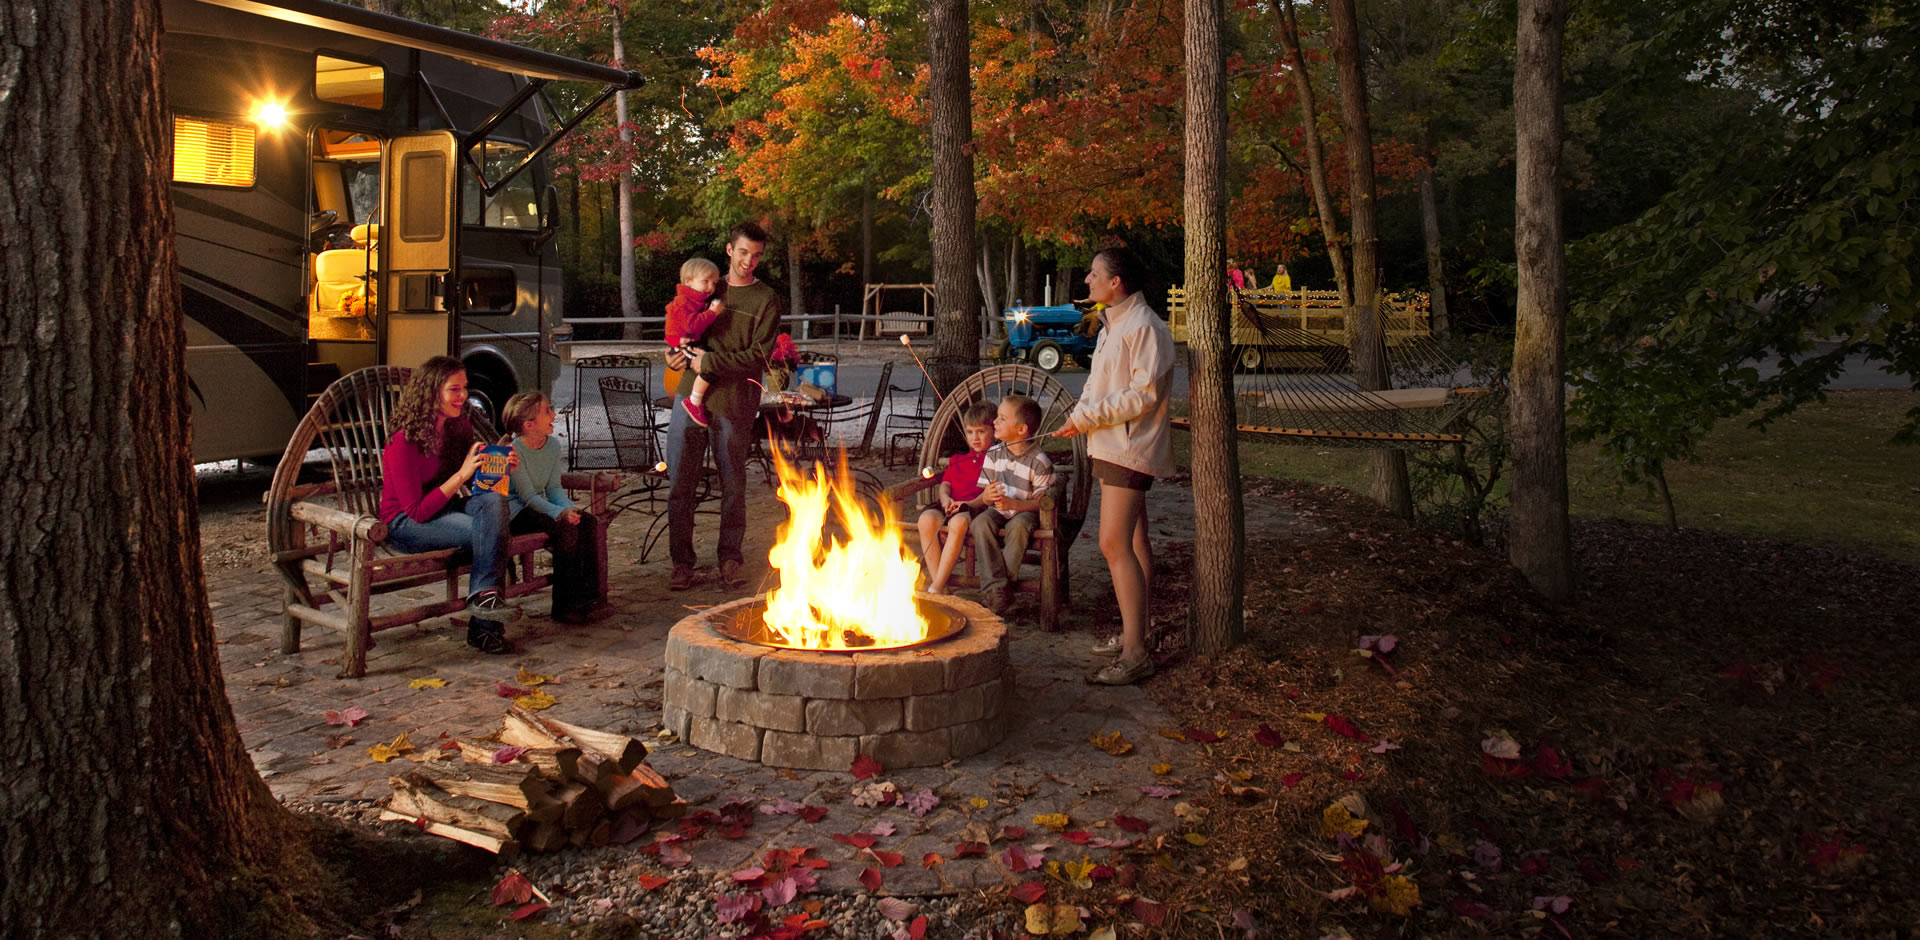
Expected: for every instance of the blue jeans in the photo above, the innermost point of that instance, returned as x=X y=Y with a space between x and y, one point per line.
x=730 y=437
x=477 y=523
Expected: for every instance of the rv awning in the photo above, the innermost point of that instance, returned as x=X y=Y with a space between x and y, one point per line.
x=381 y=27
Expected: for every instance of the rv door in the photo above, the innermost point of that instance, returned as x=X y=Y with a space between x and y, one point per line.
x=419 y=205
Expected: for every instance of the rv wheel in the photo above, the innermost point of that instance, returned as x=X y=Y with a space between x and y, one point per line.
x=487 y=388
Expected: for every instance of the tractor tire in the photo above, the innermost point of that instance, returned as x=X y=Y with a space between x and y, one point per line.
x=1004 y=351
x=1047 y=356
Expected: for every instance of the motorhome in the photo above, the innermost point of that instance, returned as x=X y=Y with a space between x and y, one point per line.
x=350 y=189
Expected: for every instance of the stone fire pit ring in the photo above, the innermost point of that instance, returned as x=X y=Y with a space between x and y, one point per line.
x=913 y=707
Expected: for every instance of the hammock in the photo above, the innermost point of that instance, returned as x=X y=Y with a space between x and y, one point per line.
x=1313 y=397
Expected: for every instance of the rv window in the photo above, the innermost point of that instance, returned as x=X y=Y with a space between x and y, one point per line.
x=216 y=153
x=345 y=81
x=516 y=206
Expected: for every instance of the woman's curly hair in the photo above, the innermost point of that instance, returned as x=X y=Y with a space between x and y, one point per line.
x=416 y=416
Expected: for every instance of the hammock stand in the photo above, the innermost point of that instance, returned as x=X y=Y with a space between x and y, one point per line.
x=1323 y=404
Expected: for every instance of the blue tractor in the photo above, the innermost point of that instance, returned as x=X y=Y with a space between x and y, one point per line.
x=1046 y=336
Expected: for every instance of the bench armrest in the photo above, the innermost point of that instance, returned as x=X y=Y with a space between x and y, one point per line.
x=348 y=524
x=901 y=494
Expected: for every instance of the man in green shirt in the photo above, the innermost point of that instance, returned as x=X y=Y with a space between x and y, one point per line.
x=737 y=347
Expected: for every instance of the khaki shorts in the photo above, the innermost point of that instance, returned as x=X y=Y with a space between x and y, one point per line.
x=1112 y=474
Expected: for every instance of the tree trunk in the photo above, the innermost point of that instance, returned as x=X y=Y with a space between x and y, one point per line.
x=1430 y=227
x=956 y=323
x=795 y=301
x=866 y=236
x=629 y=290
x=1219 y=551
x=1667 y=514
x=132 y=808
x=1316 y=154
x=1364 y=336
x=1539 y=544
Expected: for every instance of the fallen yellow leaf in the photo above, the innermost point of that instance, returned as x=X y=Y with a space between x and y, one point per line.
x=1194 y=838
x=1314 y=716
x=1056 y=919
x=531 y=679
x=1335 y=820
x=538 y=700
x=1054 y=821
x=382 y=753
x=978 y=802
x=1239 y=863
x=1111 y=742
x=1104 y=933
x=1172 y=733
x=1398 y=895
x=1163 y=768
x=1080 y=873
x=427 y=684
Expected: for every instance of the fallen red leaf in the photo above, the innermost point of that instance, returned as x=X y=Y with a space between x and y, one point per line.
x=1268 y=736
x=1465 y=908
x=1131 y=824
x=813 y=814
x=932 y=860
x=1077 y=837
x=1292 y=779
x=1100 y=873
x=513 y=889
x=1149 y=913
x=526 y=911
x=1344 y=727
x=1013 y=833
x=1534 y=865
x=889 y=859
x=507 y=691
x=1549 y=763
x=969 y=849
x=865 y=766
x=1503 y=768
x=871 y=878
x=859 y=840
x=1313 y=607
x=1028 y=892
x=918 y=928
x=1352 y=775
x=1202 y=736
x=650 y=882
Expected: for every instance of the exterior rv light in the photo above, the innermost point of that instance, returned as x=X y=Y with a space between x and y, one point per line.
x=271 y=115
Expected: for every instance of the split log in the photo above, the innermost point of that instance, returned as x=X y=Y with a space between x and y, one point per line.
x=547 y=837
x=418 y=796
x=625 y=752
x=584 y=805
x=505 y=848
x=524 y=728
x=554 y=762
x=655 y=790
x=515 y=785
x=673 y=810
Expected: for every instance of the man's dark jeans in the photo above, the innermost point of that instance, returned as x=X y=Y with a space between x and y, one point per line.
x=731 y=438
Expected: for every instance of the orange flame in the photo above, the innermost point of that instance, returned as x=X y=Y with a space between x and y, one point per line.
x=834 y=594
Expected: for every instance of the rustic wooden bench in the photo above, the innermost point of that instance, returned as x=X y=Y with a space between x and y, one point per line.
x=330 y=546
x=1063 y=511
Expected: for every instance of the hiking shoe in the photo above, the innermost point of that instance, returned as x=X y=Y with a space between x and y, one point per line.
x=493 y=603
x=698 y=413
x=580 y=616
x=489 y=636
x=731 y=575
x=681 y=579
x=1121 y=672
x=999 y=601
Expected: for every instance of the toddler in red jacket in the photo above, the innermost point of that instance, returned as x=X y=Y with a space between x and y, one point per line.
x=689 y=316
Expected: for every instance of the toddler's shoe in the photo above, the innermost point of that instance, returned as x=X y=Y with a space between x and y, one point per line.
x=696 y=412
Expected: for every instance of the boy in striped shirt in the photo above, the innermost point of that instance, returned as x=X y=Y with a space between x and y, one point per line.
x=1014 y=476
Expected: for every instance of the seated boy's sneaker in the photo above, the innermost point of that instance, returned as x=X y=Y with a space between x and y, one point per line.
x=998 y=601
x=489 y=636
x=698 y=413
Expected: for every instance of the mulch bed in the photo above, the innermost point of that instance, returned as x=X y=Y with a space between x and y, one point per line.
x=1715 y=739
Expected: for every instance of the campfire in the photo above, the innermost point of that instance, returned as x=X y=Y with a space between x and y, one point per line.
x=845 y=580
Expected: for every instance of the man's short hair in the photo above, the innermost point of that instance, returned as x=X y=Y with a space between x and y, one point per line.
x=977 y=414
x=747 y=230
x=520 y=410
x=1028 y=410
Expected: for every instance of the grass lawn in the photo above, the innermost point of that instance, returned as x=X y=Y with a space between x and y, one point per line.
x=1824 y=475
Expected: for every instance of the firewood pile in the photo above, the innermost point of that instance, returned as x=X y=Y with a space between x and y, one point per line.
x=543 y=785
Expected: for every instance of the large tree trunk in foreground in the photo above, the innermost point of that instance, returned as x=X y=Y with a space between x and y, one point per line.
x=1364 y=334
x=1316 y=153
x=131 y=806
x=1539 y=543
x=956 y=324
x=1219 y=535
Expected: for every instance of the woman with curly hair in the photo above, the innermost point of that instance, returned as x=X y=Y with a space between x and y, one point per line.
x=424 y=497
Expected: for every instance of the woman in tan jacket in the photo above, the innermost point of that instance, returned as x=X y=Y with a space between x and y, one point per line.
x=1123 y=412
